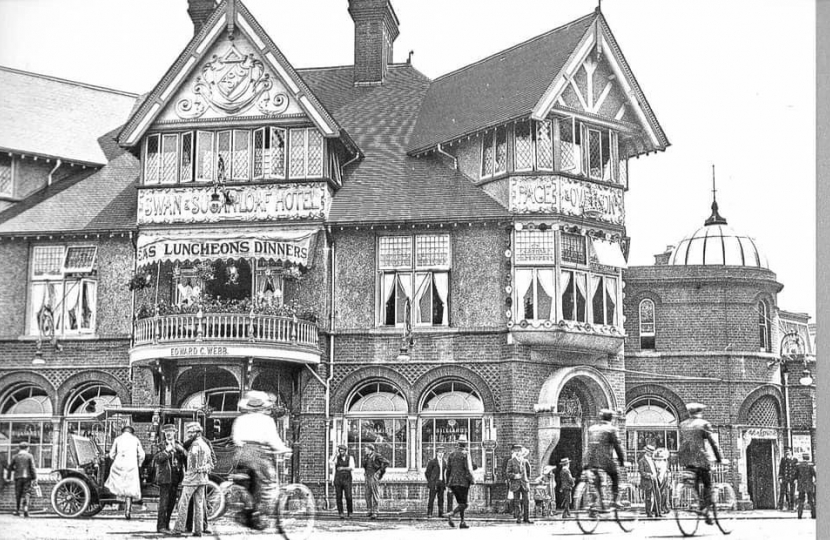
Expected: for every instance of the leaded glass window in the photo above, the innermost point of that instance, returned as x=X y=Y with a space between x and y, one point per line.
x=573 y=248
x=204 y=156
x=298 y=153
x=277 y=154
x=6 y=185
x=80 y=258
x=544 y=145
x=152 y=160
x=169 y=159
x=223 y=156
x=648 y=324
x=487 y=155
x=395 y=251
x=241 y=154
x=535 y=246
x=568 y=147
x=186 y=169
x=525 y=154
x=432 y=250
x=47 y=261
x=315 y=153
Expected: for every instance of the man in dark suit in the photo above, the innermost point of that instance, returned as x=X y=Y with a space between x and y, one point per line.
x=168 y=466
x=459 y=478
x=519 y=483
x=648 y=481
x=805 y=474
x=436 y=475
x=786 y=479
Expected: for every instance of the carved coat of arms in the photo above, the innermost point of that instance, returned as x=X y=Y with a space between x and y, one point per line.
x=231 y=84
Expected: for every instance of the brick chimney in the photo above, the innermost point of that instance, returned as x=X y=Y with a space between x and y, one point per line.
x=375 y=29
x=661 y=259
x=199 y=11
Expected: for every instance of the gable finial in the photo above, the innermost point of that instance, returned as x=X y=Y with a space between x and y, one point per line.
x=231 y=18
x=715 y=218
x=599 y=6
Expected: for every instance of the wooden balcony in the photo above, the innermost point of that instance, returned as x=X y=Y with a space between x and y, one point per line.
x=202 y=335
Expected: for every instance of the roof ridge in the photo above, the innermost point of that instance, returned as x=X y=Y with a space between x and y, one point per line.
x=67 y=81
x=345 y=66
x=516 y=46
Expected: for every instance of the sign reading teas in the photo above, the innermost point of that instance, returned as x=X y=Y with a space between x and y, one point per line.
x=293 y=246
x=248 y=203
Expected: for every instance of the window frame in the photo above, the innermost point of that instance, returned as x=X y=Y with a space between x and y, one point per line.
x=764 y=326
x=62 y=280
x=603 y=285
x=395 y=416
x=650 y=341
x=11 y=174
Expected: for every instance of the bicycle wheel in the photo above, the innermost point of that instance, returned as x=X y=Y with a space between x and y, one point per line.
x=723 y=523
x=295 y=512
x=723 y=497
x=237 y=499
x=626 y=515
x=686 y=505
x=586 y=502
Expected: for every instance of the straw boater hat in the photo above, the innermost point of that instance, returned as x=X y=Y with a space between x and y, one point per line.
x=462 y=440
x=649 y=448
x=255 y=400
x=564 y=461
x=129 y=428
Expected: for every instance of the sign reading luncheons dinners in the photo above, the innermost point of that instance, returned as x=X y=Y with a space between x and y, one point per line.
x=291 y=246
x=272 y=202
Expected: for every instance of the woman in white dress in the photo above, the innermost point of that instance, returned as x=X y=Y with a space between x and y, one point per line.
x=124 y=479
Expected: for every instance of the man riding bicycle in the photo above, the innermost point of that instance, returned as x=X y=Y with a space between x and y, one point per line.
x=255 y=435
x=694 y=432
x=603 y=442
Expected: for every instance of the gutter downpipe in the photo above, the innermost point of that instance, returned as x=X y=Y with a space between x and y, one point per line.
x=452 y=157
x=331 y=364
x=49 y=178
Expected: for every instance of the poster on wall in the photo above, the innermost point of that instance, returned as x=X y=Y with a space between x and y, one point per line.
x=802 y=444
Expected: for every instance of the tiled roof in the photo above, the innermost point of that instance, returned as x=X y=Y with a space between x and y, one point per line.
x=502 y=87
x=57 y=118
x=99 y=201
x=387 y=185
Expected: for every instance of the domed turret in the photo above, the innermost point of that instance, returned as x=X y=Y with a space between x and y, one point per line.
x=718 y=244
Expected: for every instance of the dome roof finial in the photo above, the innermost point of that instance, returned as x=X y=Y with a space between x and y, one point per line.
x=715 y=218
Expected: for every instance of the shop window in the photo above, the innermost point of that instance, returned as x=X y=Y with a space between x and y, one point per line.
x=573 y=286
x=604 y=299
x=63 y=290
x=414 y=271
x=81 y=410
x=448 y=410
x=6 y=177
x=648 y=326
x=764 y=326
x=494 y=152
x=26 y=416
x=650 y=420
x=376 y=413
x=534 y=145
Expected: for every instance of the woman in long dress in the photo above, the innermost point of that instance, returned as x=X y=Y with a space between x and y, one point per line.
x=124 y=479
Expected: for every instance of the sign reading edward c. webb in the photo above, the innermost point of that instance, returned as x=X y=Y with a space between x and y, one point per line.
x=292 y=246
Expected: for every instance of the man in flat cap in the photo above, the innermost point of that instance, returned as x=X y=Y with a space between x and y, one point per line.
x=199 y=465
x=343 y=465
x=519 y=483
x=168 y=465
x=603 y=443
x=374 y=465
x=695 y=432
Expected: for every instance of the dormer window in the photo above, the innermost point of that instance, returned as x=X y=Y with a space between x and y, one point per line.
x=6 y=183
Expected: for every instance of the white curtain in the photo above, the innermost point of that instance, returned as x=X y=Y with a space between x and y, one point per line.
x=546 y=281
x=421 y=281
x=72 y=305
x=53 y=300
x=611 y=290
x=523 y=280
x=37 y=299
x=593 y=283
x=405 y=280
x=91 y=297
x=581 y=285
x=442 y=287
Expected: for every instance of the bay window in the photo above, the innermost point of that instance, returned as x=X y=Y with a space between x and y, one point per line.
x=237 y=155
x=573 y=285
x=534 y=145
x=535 y=274
x=591 y=151
x=494 y=152
x=414 y=271
x=604 y=299
x=63 y=290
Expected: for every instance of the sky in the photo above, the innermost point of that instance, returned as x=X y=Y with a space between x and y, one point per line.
x=731 y=82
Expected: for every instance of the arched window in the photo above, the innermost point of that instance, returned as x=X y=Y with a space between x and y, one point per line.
x=764 y=326
x=647 y=324
x=81 y=408
x=27 y=416
x=650 y=420
x=450 y=409
x=376 y=413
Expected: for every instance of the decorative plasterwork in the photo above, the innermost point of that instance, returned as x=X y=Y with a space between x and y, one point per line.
x=231 y=84
x=566 y=196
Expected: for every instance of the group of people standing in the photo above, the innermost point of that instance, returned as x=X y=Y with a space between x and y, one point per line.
x=793 y=474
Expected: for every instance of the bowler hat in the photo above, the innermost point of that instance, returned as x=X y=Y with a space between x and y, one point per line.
x=516 y=447
x=606 y=414
x=131 y=429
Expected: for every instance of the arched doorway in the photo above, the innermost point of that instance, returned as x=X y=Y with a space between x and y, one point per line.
x=569 y=402
x=761 y=443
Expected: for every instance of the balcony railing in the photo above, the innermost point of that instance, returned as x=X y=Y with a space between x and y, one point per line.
x=253 y=328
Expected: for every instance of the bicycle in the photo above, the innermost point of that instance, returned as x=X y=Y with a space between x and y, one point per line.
x=689 y=509
x=292 y=508
x=589 y=509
